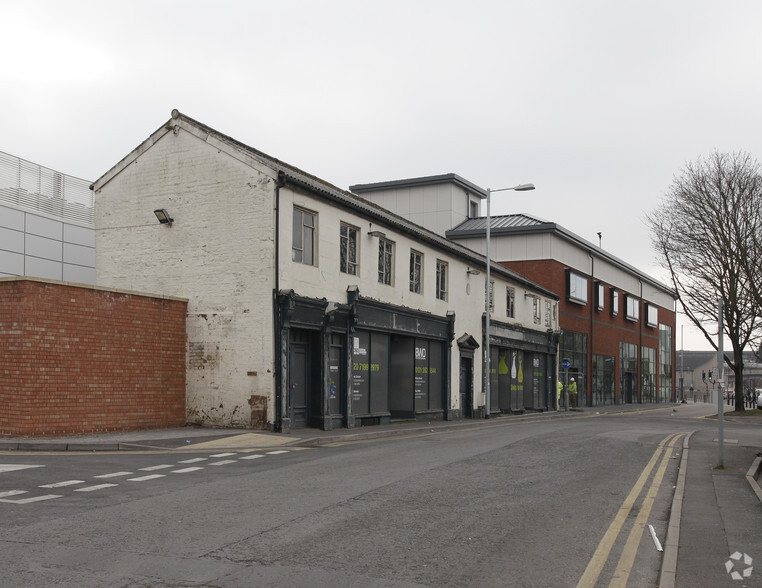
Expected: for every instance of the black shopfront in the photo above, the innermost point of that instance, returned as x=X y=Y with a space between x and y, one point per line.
x=522 y=369
x=359 y=363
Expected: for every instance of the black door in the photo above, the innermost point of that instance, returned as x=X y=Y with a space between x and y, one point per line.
x=298 y=376
x=628 y=385
x=466 y=386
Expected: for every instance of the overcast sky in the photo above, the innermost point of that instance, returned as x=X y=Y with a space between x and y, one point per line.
x=598 y=103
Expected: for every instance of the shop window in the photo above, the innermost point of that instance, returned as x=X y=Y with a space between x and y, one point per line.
x=665 y=364
x=648 y=375
x=652 y=315
x=303 y=238
x=348 y=250
x=603 y=378
x=510 y=304
x=576 y=287
x=614 y=302
x=385 y=261
x=441 y=279
x=631 y=308
x=416 y=277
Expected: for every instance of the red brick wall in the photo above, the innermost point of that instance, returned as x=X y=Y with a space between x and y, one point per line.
x=77 y=359
x=609 y=330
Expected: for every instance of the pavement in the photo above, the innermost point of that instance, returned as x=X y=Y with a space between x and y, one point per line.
x=715 y=518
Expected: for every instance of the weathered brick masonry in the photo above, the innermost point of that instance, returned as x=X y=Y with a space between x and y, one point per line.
x=77 y=359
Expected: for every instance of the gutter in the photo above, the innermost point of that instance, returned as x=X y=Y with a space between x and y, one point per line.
x=278 y=417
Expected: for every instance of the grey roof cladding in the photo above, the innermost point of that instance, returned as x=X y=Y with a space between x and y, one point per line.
x=479 y=224
x=521 y=224
x=421 y=181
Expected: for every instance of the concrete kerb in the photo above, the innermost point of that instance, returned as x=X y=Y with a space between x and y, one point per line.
x=672 y=541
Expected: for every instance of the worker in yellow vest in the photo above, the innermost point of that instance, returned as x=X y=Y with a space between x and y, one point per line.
x=560 y=391
x=572 y=393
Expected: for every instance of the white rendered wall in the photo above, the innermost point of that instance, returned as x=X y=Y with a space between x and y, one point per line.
x=466 y=296
x=218 y=254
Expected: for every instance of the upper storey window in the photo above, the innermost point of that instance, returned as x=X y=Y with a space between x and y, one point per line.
x=303 y=240
x=385 y=259
x=576 y=287
x=348 y=250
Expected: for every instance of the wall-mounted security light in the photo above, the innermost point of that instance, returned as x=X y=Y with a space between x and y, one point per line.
x=372 y=233
x=163 y=216
x=472 y=272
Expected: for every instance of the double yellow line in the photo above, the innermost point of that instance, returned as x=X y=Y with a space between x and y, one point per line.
x=601 y=555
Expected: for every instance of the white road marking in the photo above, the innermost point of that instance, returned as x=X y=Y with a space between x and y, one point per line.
x=12 y=493
x=93 y=488
x=12 y=467
x=32 y=499
x=62 y=484
x=144 y=478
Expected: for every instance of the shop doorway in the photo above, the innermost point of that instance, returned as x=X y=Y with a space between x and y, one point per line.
x=467 y=387
x=299 y=384
x=628 y=387
x=303 y=380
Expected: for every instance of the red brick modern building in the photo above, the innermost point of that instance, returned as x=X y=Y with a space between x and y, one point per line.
x=617 y=323
x=80 y=359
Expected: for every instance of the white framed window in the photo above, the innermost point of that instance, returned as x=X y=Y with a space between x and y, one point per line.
x=492 y=295
x=510 y=303
x=614 y=302
x=652 y=315
x=441 y=279
x=348 y=250
x=385 y=261
x=537 y=309
x=303 y=238
x=416 y=271
x=631 y=308
x=576 y=287
x=548 y=318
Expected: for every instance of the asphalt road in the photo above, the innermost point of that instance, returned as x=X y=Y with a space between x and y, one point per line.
x=536 y=504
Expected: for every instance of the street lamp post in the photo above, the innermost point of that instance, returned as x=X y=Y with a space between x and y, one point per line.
x=487 y=288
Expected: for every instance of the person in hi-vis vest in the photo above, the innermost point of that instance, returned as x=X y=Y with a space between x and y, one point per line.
x=560 y=391
x=572 y=393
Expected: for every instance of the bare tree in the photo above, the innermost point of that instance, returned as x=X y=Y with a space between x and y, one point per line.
x=706 y=232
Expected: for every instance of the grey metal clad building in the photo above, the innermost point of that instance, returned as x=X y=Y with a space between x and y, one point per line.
x=47 y=227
